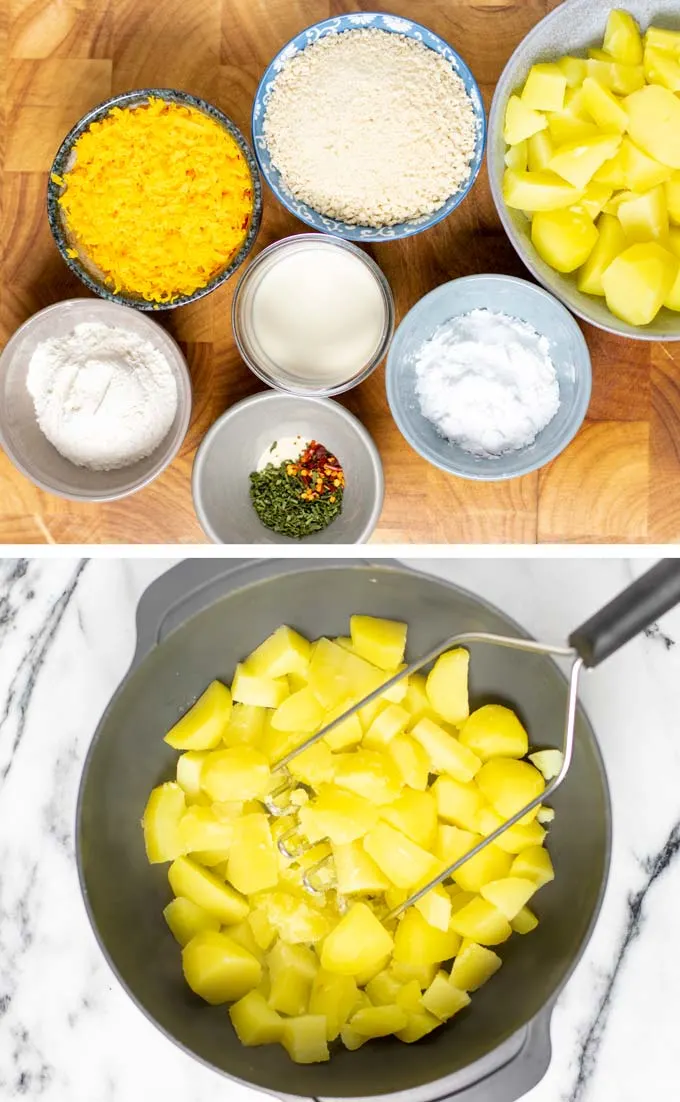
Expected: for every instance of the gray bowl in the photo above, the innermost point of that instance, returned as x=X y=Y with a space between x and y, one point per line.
x=231 y=449
x=520 y=299
x=571 y=29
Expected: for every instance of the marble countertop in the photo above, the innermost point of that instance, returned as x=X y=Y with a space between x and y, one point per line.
x=68 y=1032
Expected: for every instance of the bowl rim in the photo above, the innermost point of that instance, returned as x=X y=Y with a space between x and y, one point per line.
x=126 y=100
x=184 y=408
x=493 y=476
x=495 y=116
x=388 y=297
x=377 y=233
x=271 y=395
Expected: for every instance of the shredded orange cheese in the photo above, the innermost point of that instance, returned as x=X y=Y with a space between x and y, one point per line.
x=159 y=199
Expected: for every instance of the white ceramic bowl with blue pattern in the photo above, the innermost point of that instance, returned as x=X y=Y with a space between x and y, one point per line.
x=359 y=21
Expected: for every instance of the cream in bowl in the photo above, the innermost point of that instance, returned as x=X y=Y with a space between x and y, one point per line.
x=313 y=315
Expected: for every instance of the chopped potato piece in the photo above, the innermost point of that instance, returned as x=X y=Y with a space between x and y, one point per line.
x=544 y=89
x=548 y=762
x=489 y=864
x=517 y=156
x=384 y=988
x=285 y=651
x=446 y=753
x=299 y=712
x=509 y=894
x=161 y=823
x=203 y=887
x=524 y=922
x=494 y=731
x=378 y=1021
x=435 y=905
x=314 y=766
x=540 y=151
x=515 y=838
x=595 y=197
x=534 y=864
x=575 y=70
x=417 y=1026
x=563 y=238
x=189 y=766
x=339 y=677
x=404 y=862
x=186 y=919
x=473 y=966
x=357 y=873
x=417 y=943
x=482 y=922
x=622 y=38
x=219 y=969
x=508 y=785
x=337 y=815
x=672 y=299
x=605 y=110
x=254 y=1020
x=381 y=642
x=202 y=727
x=253 y=860
x=578 y=161
x=415 y=815
x=663 y=39
x=611 y=241
x=391 y=721
x=645 y=217
x=662 y=68
x=304 y=1039
x=613 y=172
x=411 y=760
x=443 y=999
x=202 y=830
x=292 y=969
x=370 y=774
x=335 y=997
x=416 y=701
x=447 y=686
x=457 y=803
x=246 y=725
x=296 y=920
x=641 y=171
x=239 y=773
x=263 y=931
x=565 y=127
x=405 y=973
x=521 y=121
x=452 y=842
x=358 y=942
x=654 y=123
x=534 y=191
x=346 y=734
x=672 y=188
x=622 y=79
x=638 y=281
x=250 y=688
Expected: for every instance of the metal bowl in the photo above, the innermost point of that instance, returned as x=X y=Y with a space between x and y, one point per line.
x=572 y=28
x=63 y=161
x=231 y=449
x=393 y=24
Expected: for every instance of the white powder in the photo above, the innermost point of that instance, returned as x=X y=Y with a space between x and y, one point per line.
x=486 y=382
x=103 y=396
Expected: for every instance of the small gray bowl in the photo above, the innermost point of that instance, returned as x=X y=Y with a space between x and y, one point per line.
x=90 y=276
x=519 y=299
x=572 y=28
x=231 y=449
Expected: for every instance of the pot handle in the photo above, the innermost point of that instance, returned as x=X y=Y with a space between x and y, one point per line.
x=643 y=602
x=194 y=584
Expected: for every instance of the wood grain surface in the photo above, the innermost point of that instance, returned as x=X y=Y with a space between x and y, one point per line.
x=618 y=482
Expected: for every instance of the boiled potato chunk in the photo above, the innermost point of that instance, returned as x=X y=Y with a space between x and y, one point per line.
x=457 y=803
x=186 y=919
x=509 y=894
x=345 y=734
x=335 y=997
x=415 y=815
x=605 y=109
x=645 y=217
x=521 y=121
x=443 y=999
x=299 y=712
x=446 y=753
x=594 y=200
x=534 y=191
x=663 y=40
x=638 y=281
x=381 y=642
x=508 y=785
x=563 y=238
x=378 y=1021
x=515 y=838
x=662 y=68
x=162 y=816
x=517 y=156
x=239 y=773
x=417 y=943
x=314 y=766
x=418 y=1025
x=544 y=89
x=548 y=762
x=189 y=766
x=253 y=860
x=491 y=863
x=338 y=676
x=578 y=161
x=202 y=830
x=411 y=760
x=292 y=969
x=254 y=1020
x=203 y=887
x=391 y=721
x=622 y=79
x=404 y=862
x=613 y=172
x=672 y=299
x=575 y=69
x=540 y=151
x=435 y=905
x=337 y=815
x=654 y=123
x=202 y=727
x=285 y=651
x=641 y=171
x=622 y=38
x=673 y=198
x=219 y=969
x=304 y=1039
x=423 y=974
x=524 y=922
x=494 y=731
x=246 y=724
x=611 y=241
x=358 y=942
x=370 y=774
x=534 y=864
x=357 y=873
x=482 y=922
x=251 y=688
x=447 y=686
x=296 y=921
x=473 y=966
x=384 y=988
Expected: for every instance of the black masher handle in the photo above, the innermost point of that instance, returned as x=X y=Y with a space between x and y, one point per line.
x=643 y=602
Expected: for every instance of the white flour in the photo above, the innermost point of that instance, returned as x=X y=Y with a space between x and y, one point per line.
x=103 y=396
x=486 y=382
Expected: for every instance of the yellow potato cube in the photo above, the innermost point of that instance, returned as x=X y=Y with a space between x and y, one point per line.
x=473 y=966
x=384 y=988
x=411 y=760
x=292 y=969
x=610 y=243
x=443 y=999
x=253 y=860
x=567 y=126
x=415 y=815
x=315 y=766
x=391 y=721
x=346 y=734
x=299 y=712
x=574 y=69
x=540 y=151
x=494 y=731
x=534 y=864
x=548 y=762
x=645 y=217
x=563 y=238
x=404 y=862
x=491 y=863
x=338 y=677
x=362 y=978
x=254 y=1020
x=358 y=942
x=672 y=300
x=186 y=919
x=410 y=997
x=351 y=1039
x=663 y=39
x=304 y=1039
x=335 y=997
x=250 y=688
x=296 y=921
x=524 y=922
x=246 y=725
x=521 y=121
x=418 y=1025
x=206 y=890
x=578 y=161
x=544 y=89
x=662 y=68
x=189 y=766
x=239 y=773
x=508 y=785
x=447 y=686
x=672 y=187
x=533 y=191
x=613 y=172
x=452 y=842
x=594 y=199
x=514 y=839
x=263 y=931
x=381 y=642
x=457 y=803
x=285 y=651
x=517 y=156
x=423 y=974
x=417 y=943
x=337 y=815
x=357 y=873
x=416 y=701
x=622 y=38
x=654 y=123
x=219 y=969
x=638 y=281
x=202 y=830
x=482 y=922
x=162 y=816
x=378 y=1021
x=622 y=79
x=202 y=727
x=242 y=934
x=435 y=905
x=446 y=753
x=370 y=774
x=509 y=894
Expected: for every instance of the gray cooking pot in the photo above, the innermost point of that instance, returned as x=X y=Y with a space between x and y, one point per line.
x=194 y=624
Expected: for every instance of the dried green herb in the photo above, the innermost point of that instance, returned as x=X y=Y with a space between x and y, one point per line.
x=277 y=500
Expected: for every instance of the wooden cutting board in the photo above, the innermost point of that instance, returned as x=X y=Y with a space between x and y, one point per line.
x=619 y=481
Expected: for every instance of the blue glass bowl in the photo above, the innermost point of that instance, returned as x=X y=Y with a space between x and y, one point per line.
x=360 y=21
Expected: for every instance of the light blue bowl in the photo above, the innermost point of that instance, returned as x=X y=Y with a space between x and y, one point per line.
x=520 y=299
x=358 y=21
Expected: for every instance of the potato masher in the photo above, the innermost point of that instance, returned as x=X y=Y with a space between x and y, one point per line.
x=628 y=614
